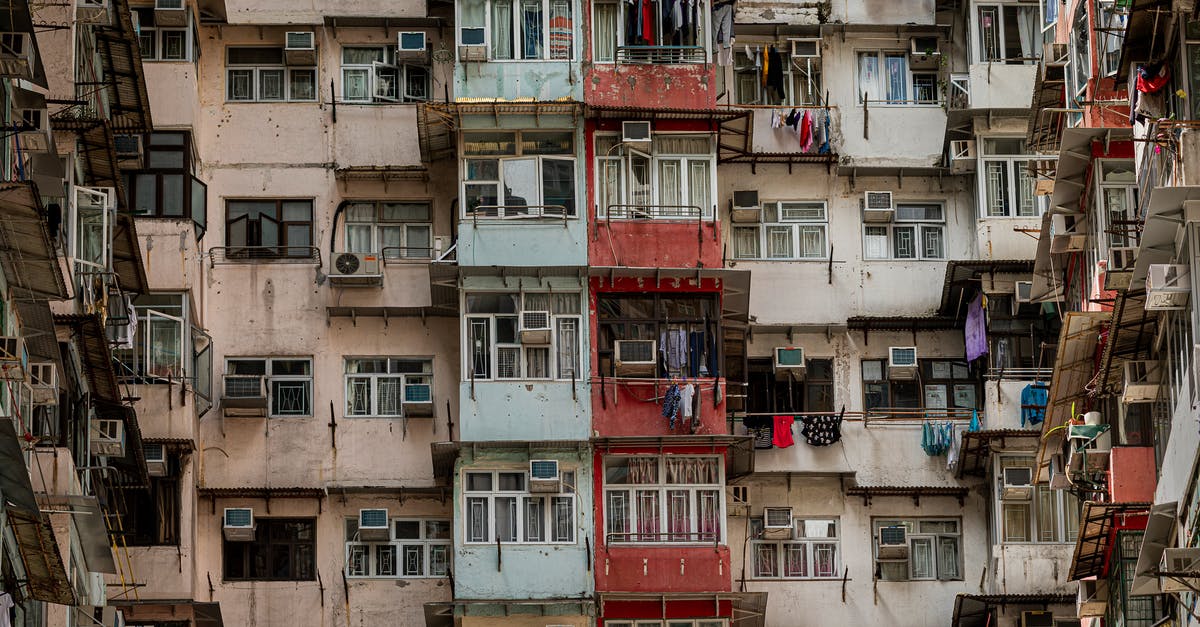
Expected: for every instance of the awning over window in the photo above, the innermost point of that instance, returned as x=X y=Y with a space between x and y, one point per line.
x=121 y=59
x=914 y=492
x=1160 y=534
x=977 y=447
x=90 y=529
x=1164 y=217
x=1131 y=333
x=92 y=343
x=1098 y=526
x=1146 y=34
x=29 y=258
x=1074 y=368
x=1074 y=160
x=975 y=610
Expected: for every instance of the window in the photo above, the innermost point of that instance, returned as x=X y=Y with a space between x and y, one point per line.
x=934 y=550
x=525 y=30
x=1038 y=515
x=674 y=179
x=416 y=548
x=259 y=75
x=151 y=517
x=801 y=80
x=619 y=34
x=767 y=393
x=789 y=230
x=1049 y=14
x=382 y=386
x=499 y=508
x=663 y=499
x=1008 y=186
x=518 y=174
x=371 y=74
x=811 y=552
x=702 y=622
x=396 y=230
x=885 y=77
x=1081 y=63
x=268 y=229
x=166 y=187
x=918 y=232
x=495 y=321
x=1009 y=33
x=288 y=380
x=1118 y=193
x=158 y=350
x=682 y=325
x=1110 y=29
x=159 y=43
x=282 y=550
x=941 y=384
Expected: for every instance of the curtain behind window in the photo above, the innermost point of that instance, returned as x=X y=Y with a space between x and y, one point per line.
x=604 y=40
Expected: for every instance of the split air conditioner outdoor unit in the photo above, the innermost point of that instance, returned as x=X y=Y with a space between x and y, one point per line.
x=238 y=524
x=1167 y=286
x=355 y=269
x=544 y=476
x=902 y=362
x=635 y=357
x=878 y=207
x=373 y=524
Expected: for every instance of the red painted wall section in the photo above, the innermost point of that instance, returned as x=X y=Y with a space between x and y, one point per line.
x=655 y=244
x=675 y=609
x=651 y=85
x=1131 y=474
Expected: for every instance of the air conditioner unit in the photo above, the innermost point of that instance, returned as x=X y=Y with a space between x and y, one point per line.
x=1066 y=233
x=1018 y=483
x=544 y=476
x=14 y=358
x=156 y=459
x=93 y=12
x=902 y=362
x=745 y=207
x=805 y=48
x=130 y=153
x=170 y=13
x=893 y=543
x=878 y=207
x=238 y=524
x=472 y=44
x=1057 y=53
x=16 y=55
x=924 y=47
x=1143 y=381
x=1167 y=286
x=300 y=48
x=635 y=357
x=1037 y=619
x=34 y=135
x=535 y=327
x=1092 y=599
x=777 y=518
x=107 y=437
x=1184 y=561
x=244 y=395
x=635 y=131
x=373 y=524
x=789 y=360
x=412 y=46
x=43 y=382
x=355 y=269
x=474 y=54
x=1023 y=291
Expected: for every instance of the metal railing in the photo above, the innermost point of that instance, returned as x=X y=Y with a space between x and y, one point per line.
x=653 y=212
x=661 y=54
x=683 y=537
x=1019 y=374
x=264 y=254
x=518 y=212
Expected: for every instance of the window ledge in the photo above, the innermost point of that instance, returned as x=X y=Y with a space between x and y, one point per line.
x=793 y=579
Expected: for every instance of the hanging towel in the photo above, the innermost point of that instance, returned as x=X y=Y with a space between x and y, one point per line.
x=774 y=119
x=1033 y=403
x=975 y=328
x=766 y=65
x=783 y=431
x=670 y=409
x=975 y=426
x=825 y=147
x=806 y=136
x=955 y=443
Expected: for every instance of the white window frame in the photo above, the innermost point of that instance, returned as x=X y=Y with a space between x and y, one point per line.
x=400 y=93
x=1048 y=24
x=797 y=538
x=489 y=35
x=549 y=503
x=500 y=186
x=1104 y=225
x=773 y=220
x=1107 y=9
x=623 y=154
x=663 y=489
x=881 y=84
x=920 y=228
x=158 y=35
x=407 y=380
x=704 y=13
x=1014 y=165
x=272 y=379
x=1005 y=54
x=793 y=78
x=257 y=70
x=556 y=365
x=1060 y=498
x=914 y=525
x=146 y=314
x=378 y=224
x=424 y=543
x=1077 y=89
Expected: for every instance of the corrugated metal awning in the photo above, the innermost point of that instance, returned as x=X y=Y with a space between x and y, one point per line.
x=90 y=528
x=1164 y=217
x=1160 y=534
x=975 y=610
x=735 y=284
x=121 y=58
x=1097 y=534
x=27 y=255
x=92 y=343
x=1074 y=368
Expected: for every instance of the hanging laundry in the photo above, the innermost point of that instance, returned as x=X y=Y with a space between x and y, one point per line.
x=722 y=25
x=821 y=430
x=670 y=409
x=1033 y=403
x=774 y=76
x=955 y=445
x=766 y=66
x=783 y=431
x=673 y=344
x=806 y=132
x=825 y=147
x=760 y=428
x=1152 y=77
x=936 y=437
x=975 y=426
x=774 y=119
x=686 y=395
x=975 y=328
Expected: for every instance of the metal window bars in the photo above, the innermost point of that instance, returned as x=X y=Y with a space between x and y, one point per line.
x=257 y=254
x=672 y=537
x=661 y=54
x=401 y=254
x=518 y=212
x=653 y=212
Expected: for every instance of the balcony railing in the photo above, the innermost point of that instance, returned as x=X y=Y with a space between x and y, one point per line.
x=661 y=54
x=264 y=254
x=654 y=212
x=519 y=212
x=682 y=537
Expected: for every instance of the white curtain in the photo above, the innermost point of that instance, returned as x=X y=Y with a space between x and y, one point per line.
x=502 y=35
x=1030 y=34
x=868 y=76
x=605 y=39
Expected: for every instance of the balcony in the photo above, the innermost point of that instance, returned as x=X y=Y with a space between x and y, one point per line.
x=653 y=77
x=656 y=236
x=661 y=54
x=633 y=407
x=663 y=568
x=521 y=235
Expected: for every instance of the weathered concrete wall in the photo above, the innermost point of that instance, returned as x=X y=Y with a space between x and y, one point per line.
x=313 y=11
x=1001 y=86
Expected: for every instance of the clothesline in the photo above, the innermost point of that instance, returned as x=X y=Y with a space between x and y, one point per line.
x=897 y=416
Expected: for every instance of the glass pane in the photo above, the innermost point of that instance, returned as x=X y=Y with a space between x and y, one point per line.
x=302 y=85
x=896 y=66
x=745 y=242
x=506 y=518
x=948 y=558
x=535 y=517
x=241 y=85
x=617 y=515
x=439 y=560
x=477 y=519
x=648 y=516
x=414 y=560
x=931 y=242
x=766 y=560
x=291 y=398
x=996 y=186
x=779 y=242
x=270 y=84
x=172 y=195
x=1016 y=522
x=824 y=559
x=502 y=45
x=902 y=242
x=531 y=29
x=795 y=562
x=558 y=185
x=561 y=29
x=604 y=37
x=698 y=187
x=922 y=558
x=165 y=341
x=668 y=183
x=521 y=188
x=174 y=45
x=358 y=396
x=356 y=83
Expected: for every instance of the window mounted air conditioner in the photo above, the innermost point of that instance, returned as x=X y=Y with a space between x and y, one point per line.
x=107 y=437
x=1037 y=619
x=777 y=518
x=745 y=207
x=34 y=135
x=472 y=44
x=244 y=395
x=789 y=360
x=16 y=55
x=1167 y=286
x=355 y=269
x=300 y=48
x=43 y=381
x=238 y=524
x=635 y=357
x=1185 y=561
x=921 y=47
x=878 y=207
x=1143 y=381
x=1092 y=599
x=1018 y=483
x=130 y=153
x=544 y=476
x=1067 y=236
x=91 y=12
x=1122 y=259
x=635 y=131
x=902 y=362
x=535 y=327
x=373 y=524
x=962 y=150
x=156 y=459
x=412 y=46
x=170 y=13
x=1023 y=291
x=14 y=358
x=893 y=543
x=805 y=48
